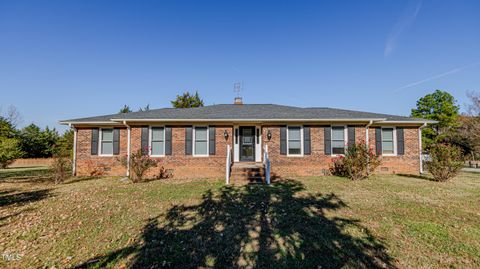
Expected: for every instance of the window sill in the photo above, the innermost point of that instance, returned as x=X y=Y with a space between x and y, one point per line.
x=295 y=155
x=200 y=155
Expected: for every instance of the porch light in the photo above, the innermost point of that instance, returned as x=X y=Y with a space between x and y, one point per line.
x=269 y=135
x=225 y=134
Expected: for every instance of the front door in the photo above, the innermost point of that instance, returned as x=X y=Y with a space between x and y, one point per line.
x=247 y=144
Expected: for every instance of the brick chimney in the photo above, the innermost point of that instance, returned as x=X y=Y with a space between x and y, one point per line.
x=238 y=101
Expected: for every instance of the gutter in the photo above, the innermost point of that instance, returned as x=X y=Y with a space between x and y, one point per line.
x=411 y=122
x=123 y=121
x=87 y=122
x=246 y=120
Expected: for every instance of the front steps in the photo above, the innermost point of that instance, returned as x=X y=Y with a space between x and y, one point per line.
x=247 y=172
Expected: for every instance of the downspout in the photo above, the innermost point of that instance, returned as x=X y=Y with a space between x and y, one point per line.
x=128 y=147
x=420 y=147
x=74 y=159
x=366 y=133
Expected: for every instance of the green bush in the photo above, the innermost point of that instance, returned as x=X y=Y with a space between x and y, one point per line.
x=359 y=162
x=445 y=161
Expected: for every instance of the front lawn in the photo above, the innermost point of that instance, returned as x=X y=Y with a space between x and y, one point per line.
x=386 y=221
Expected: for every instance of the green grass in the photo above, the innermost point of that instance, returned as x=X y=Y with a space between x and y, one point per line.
x=385 y=221
x=25 y=172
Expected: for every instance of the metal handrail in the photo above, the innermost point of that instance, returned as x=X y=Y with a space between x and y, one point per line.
x=266 y=163
x=228 y=164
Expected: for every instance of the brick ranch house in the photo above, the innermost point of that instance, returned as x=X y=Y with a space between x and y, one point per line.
x=195 y=142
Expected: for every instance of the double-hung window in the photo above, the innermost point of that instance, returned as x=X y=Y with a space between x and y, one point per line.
x=200 y=145
x=106 y=142
x=157 y=140
x=294 y=140
x=338 y=140
x=388 y=141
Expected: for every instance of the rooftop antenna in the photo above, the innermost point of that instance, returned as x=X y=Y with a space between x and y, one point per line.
x=238 y=88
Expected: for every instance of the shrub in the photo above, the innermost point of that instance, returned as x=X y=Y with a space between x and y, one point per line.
x=61 y=168
x=338 y=167
x=164 y=173
x=359 y=162
x=445 y=161
x=139 y=164
x=9 y=151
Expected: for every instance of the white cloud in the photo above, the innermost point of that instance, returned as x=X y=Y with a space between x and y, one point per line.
x=403 y=24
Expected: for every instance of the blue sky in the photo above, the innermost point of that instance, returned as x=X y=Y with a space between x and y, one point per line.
x=68 y=59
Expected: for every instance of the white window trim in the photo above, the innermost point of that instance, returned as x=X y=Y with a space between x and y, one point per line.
x=394 y=140
x=345 y=138
x=208 y=142
x=150 y=141
x=301 y=142
x=100 y=143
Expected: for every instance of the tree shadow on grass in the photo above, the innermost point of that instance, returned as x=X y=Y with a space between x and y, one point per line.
x=13 y=197
x=78 y=179
x=424 y=177
x=253 y=226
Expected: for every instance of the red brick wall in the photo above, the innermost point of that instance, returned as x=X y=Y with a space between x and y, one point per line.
x=87 y=163
x=183 y=166
x=409 y=163
x=318 y=163
x=188 y=166
x=315 y=164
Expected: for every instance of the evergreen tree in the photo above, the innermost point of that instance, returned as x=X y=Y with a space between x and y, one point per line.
x=125 y=109
x=187 y=100
x=439 y=106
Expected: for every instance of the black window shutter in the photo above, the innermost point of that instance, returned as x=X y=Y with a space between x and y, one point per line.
x=351 y=135
x=168 y=140
x=188 y=140
x=94 y=143
x=144 y=140
x=378 y=140
x=306 y=141
x=211 y=142
x=327 y=134
x=116 y=141
x=283 y=140
x=400 y=141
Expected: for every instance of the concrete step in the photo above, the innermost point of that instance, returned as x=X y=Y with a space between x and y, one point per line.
x=249 y=180
x=247 y=173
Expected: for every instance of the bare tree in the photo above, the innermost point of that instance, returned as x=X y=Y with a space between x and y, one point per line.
x=474 y=107
x=13 y=116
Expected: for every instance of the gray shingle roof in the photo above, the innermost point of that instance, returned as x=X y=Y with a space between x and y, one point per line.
x=246 y=112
